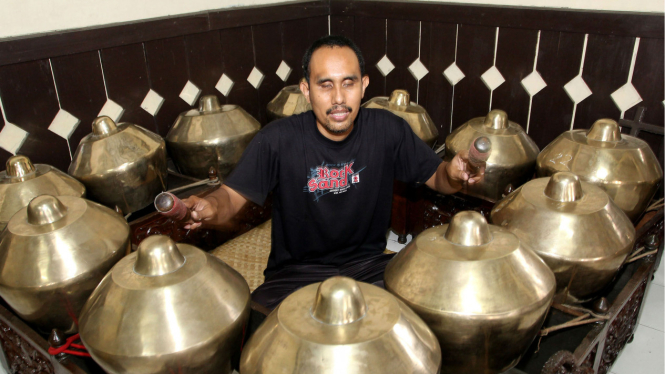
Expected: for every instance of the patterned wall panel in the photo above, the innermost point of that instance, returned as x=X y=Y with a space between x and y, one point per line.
x=238 y=61
x=204 y=61
x=649 y=81
x=268 y=60
x=370 y=36
x=342 y=25
x=403 y=49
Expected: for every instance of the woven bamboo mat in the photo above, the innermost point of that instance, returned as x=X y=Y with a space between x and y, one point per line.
x=248 y=253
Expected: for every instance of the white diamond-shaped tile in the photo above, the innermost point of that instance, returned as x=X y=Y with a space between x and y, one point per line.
x=533 y=83
x=626 y=97
x=492 y=78
x=224 y=85
x=385 y=66
x=152 y=102
x=283 y=71
x=190 y=93
x=255 y=78
x=418 y=70
x=453 y=74
x=577 y=89
x=12 y=138
x=64 y=124
x=112 y=110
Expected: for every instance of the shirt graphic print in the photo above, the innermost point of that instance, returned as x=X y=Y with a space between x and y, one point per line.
x=325 y=179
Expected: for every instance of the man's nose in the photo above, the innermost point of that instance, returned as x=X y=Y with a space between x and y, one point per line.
x=338 y=95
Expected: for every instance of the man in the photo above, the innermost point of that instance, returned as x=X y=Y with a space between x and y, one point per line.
x=331 y=171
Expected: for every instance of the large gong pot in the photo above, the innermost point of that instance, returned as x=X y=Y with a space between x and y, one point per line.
x=582 y=235
x=478 y=288
x=123 y=165
x=289 y=101
x=399 y=103
x=213 y=136
x=23 y=181
x=622 y=165
x=54 y=253
x=513 y=156
x=341 y=326
x=166 y=308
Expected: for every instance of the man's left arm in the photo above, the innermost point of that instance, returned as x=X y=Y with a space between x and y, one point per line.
x=451 y=176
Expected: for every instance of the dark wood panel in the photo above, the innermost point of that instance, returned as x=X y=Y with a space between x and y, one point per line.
x=35 y=47
x=516 y=51
x=294 y=44
x=81 y=90
x=238 y=62
x=648 y=81
x=438 y=91
x=30 y=102
x=127 y=82
x=606 y=67
x=370 y=36
x=204 y=54
x=559 y=56
x=425 y=31
x=4 y=155
x=341 y=25
x=475 y=54
x=268 y=49
x=256 y=15
x=580 y=21
x=317 y=27
x=402 y=49
x=168 y=73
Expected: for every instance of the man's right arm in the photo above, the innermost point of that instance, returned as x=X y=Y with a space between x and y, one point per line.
x=215 y=209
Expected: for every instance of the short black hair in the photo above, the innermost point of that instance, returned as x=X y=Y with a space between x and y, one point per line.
x=331 y=41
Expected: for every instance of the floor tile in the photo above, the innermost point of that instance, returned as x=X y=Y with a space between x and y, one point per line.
x=653 y=310
x=644 y=355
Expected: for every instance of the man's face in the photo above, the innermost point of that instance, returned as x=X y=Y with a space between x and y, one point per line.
x=335 y=89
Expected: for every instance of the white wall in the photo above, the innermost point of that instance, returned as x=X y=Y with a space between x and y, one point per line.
x=24 y=17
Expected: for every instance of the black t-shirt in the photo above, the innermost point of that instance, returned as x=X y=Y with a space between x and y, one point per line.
x=331 y=200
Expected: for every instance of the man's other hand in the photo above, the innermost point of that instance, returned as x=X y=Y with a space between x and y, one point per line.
x=458 y=170
x=201 y=210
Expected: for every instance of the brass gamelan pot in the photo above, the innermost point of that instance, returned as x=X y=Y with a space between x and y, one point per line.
x=166 y=308
x=478 y=288
x=289 y=101
x=622 y=165
x=399 y=103
x=123 y=165
x=54 y=253
x=22 y=181
x=341 y=326
x=213 y=136
x=574 y=227
x=513 y=156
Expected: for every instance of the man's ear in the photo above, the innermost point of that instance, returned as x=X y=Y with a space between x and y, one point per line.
x=304 y=87
x=365 y=82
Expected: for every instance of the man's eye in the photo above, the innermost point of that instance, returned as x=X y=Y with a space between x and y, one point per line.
x=326 y=86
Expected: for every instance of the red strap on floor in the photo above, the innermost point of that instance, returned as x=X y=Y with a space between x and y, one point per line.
x=69 y=343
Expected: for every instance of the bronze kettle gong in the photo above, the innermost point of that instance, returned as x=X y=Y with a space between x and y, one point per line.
x=121 y=165
x=513 y=156
x=289 y=101
x=478 y=288
x=54 y=253
x=212 y=136
x=341 y=326
x=622 y=165
x=23 y=181
x=166 y=308
x=574 y=226
x=399 y=103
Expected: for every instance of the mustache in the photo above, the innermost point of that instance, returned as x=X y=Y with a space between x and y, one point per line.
x=338 y=107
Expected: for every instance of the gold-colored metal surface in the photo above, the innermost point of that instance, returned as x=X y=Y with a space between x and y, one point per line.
x=167 y=308
x=478 y=288
x=513 y=156
x=622 y=165
x=399 y=103
x=341 y=326
x=54 y=253
x=22 y=181
x=289 y=101
x=574 y=227
x=123 y=165
x=213 y=136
